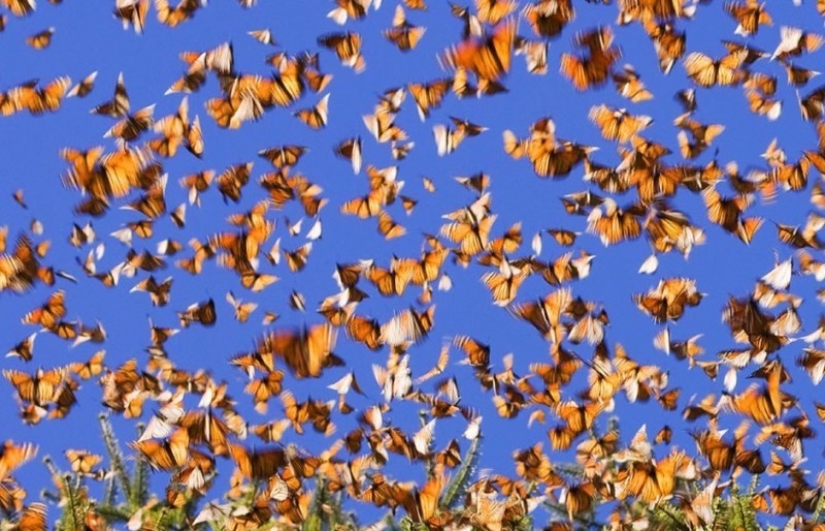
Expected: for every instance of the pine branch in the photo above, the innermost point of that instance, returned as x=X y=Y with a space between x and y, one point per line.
x=70 y=518
x=115 y=455
x=820 y=505
x=666 y=510
x=110 y=491
x=139 y=484
x=458 y=485
x=588 y=521
x=109 y=512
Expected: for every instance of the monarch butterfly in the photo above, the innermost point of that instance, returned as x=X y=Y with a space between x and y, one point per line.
x=428 y=96
x=750 y=15
x=535 y=54
x=117 y=107
x=363 y=207
x=297 y=301
x=727 y=213
x=383 y=128
x=472 y=238
x=489 y=57
x=548 y=157
x=33 y=516
x=233 y=179
x=478 y=354
x=347 y=47
x=493 y=11
x=613 y=224
x=166 y=454
x=48 y=314
x=93 y=367
x=203 y=313
x=184 y=11
x=762 y=405
x=702 y=135
x=578 y=498
x=388 y=227
x=287 y=86
x=795 y=176
x=706 y=72
x=408 y=327
x=263 y=36
x=82 y=461
x=315 y=117
x=23 y=350
x=400 y=151
x=41 y=39
x=297 y=259
x=173 y=128
x=283 y=156
x=159 y=293
x=262 y=389
x=628 y=83
x=197 y=183
x=472 y=26
x=422 y=504
x=306 y=352
x=20 y=8
x=669 y=44
x=272 y=431
x=40 y=389
x=350 y=149
x=354 y=9
x=193 y=79
x=132 y=13
x=798 y=76
x=593 y=69
x=403 y=34
x=37 y=101
x=618 y=124
x=795 y=41
x=548 y=19
x=13 y=457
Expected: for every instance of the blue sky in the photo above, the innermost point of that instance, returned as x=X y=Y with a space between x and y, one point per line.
x=88 y=38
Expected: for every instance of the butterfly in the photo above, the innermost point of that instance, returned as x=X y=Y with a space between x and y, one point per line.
x=82 y=89
x=172 y=17
x=24 y=349
x=669 y=44
x=707 y=72
x=489 y=57
x=403 y=34
x=203 y=313
x=593 y=69
x=232 y=180
x=618 y=124
x=283 y=156
x=33 y=99
x=166 y=454
x=13 y=456
x=41 y=388
x=41 y=39
x=306 y=352
x=613 y=224
x=428 y=96
x=315 y=117
x=750 y=15
x=347 y=47
x=350 y=149
x=628 y=83
x=354 y=9
x=548 y=18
